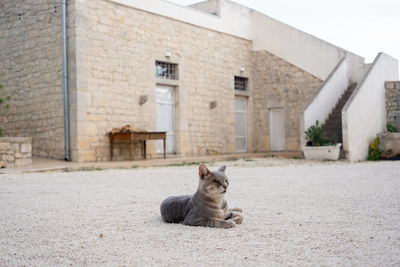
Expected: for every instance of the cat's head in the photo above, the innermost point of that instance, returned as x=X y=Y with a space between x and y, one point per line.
x=213 y=184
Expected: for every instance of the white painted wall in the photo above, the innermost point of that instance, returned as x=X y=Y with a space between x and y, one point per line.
x=234 y=19
x=301 y=49
x=210 y=6
x=356 y=67
x=305 y=51
x=364 y=115
x=327 y=97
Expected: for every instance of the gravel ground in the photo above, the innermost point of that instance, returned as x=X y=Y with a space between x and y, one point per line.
x=295 y=213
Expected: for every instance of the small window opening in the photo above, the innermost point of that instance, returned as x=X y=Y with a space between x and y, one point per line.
x=166 y=70
x=241 y=83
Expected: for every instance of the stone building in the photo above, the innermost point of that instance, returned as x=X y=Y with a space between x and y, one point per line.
x=219 y=77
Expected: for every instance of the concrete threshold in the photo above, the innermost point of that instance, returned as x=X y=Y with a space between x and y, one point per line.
x=50 y=165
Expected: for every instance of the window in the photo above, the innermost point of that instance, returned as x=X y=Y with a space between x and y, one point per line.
x=241 y=83
x=165 y=70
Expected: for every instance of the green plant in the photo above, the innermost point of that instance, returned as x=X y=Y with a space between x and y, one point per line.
x=89 y=169
x=315 y=135
x=4 y=102
x=183 y=164
x=392 y=128
x=374 y=153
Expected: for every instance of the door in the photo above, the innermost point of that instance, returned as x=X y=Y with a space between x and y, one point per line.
x=240 y=124
x=165 y=102
x=277 y=129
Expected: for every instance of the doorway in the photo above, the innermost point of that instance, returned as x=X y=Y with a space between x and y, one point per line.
x=277 y=129
x=240 y=124
x=165 y=102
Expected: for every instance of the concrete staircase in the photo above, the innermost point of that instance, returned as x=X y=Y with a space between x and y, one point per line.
x=333 y=125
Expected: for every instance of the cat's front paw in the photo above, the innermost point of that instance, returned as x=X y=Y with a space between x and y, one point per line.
x=237 y=217
x=229 y=224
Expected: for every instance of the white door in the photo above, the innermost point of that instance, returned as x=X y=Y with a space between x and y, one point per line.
x=165 y=101
x=240 y=124
x=277 y=129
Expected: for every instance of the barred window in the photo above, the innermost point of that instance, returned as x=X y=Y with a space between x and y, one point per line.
x=241 y=83
x=165 y=70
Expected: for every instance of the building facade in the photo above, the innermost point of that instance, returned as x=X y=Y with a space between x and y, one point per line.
x=205 y=73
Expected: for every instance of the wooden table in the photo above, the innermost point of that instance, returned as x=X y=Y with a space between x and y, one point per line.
x=136 y=136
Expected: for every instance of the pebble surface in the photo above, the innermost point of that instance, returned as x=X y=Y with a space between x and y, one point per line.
x=295 y=213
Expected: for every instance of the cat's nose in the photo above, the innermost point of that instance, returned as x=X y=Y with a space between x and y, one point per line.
x=225 y=186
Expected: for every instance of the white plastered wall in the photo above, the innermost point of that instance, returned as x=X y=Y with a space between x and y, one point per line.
x=364 y=115
x=327 y=97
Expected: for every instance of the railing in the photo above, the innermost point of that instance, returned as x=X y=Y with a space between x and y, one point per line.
x=364 y=114
x=328 y=95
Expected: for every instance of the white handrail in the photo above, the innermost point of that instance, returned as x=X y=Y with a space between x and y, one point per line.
x=328 y=95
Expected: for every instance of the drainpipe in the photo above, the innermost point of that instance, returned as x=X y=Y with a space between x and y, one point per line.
x=65 y=76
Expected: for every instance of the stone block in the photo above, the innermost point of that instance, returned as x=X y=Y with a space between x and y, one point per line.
x=8 y=158
x=23 y=162
x=16 y=146
x=26 y=155
x=26 y=148
x=390 y=142
x=87 y=156
x=4 y=146
x=84 y=143
x=389 y=85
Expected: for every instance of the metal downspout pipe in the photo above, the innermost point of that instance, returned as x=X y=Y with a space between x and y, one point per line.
x=65 y=77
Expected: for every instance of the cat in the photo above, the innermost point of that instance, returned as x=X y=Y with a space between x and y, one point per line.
x=206 y=207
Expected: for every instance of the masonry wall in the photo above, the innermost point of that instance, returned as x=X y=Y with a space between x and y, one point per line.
x=15 y=151
x=392 y=96
x=30 y=71
x=278 y=84
x=116 y=49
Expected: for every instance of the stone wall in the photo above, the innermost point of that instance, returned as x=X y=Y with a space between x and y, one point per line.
x=30 y=71
x=116 y=50
x=112 y=54
x=15 y=151
x=393 y=102
x=389 y=143
x=278 y=84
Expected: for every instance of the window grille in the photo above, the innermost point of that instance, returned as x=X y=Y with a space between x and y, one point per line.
x=165 y=70
x=241 y=83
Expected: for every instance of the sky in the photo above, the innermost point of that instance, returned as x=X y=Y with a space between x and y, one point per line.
x=364 y=27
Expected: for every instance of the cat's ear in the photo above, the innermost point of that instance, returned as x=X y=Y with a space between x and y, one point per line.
x=203 y=171
x=222 y=169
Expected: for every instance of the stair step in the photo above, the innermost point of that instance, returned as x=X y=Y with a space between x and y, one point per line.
x=333 y=125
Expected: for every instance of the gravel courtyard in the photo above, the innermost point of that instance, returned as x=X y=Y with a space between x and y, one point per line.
x=295 y=213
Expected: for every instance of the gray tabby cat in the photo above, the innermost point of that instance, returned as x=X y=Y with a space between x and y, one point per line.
x=207 y=207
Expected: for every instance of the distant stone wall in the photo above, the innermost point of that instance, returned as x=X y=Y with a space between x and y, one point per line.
x=15 y=151
x=31 y=73
x=393 y=102
x=278 y=84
